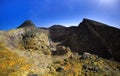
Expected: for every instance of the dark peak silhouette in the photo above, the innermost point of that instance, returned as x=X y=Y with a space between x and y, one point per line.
x=57 y=32
x=92 y=22
x=57 y=26
x=27 y=23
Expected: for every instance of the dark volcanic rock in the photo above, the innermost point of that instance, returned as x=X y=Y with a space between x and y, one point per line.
x=28 y=24
x=90 y=36
x=58 y=32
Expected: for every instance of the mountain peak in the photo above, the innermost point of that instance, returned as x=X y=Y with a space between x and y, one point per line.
x=57 y=26
x=27 y=23
x=86 y=19
x=93 y=22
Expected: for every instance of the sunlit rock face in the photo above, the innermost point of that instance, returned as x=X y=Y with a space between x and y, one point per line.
x=24 y=51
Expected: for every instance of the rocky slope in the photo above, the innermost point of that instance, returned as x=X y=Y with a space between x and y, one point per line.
x=60 y=51
x=90 y=36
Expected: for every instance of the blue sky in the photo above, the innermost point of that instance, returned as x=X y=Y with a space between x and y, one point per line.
x=45 y=13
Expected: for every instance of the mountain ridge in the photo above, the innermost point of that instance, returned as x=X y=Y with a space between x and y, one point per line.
x=84 y=50
x=89 y=36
